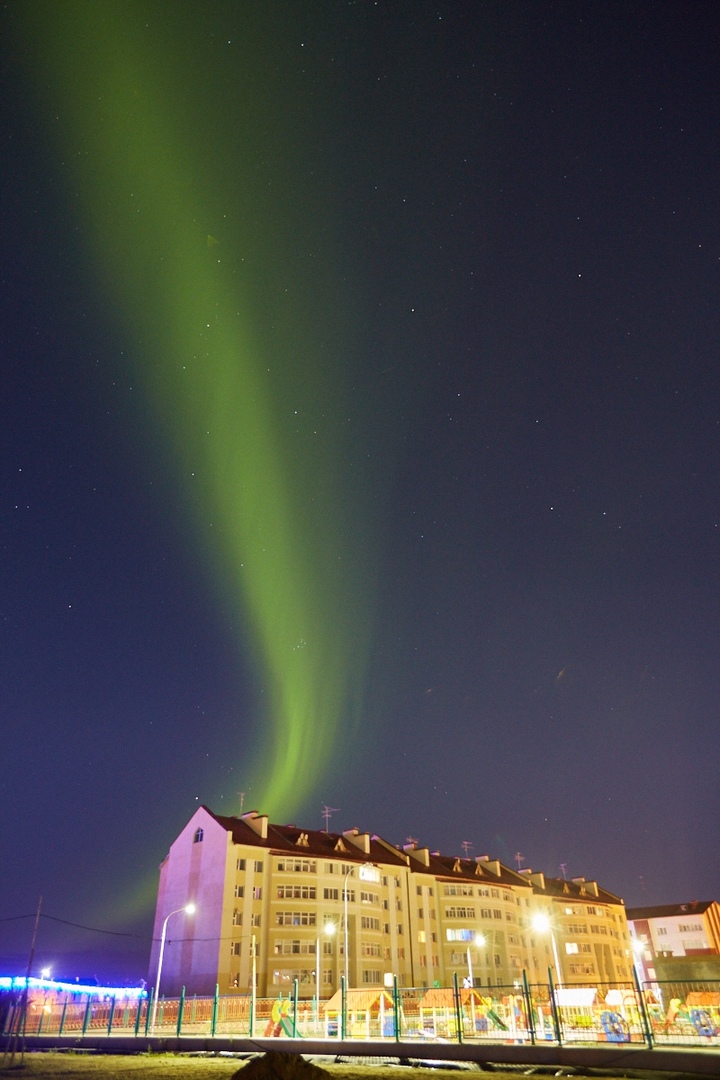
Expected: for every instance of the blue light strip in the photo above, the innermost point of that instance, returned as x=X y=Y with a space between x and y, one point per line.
x=17 y=982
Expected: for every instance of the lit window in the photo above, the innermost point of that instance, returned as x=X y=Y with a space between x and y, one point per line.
x=197 y=838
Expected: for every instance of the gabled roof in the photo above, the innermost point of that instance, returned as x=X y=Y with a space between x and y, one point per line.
x=474 y=871
x=665 y=911
x=578 y=890
x=309 y=843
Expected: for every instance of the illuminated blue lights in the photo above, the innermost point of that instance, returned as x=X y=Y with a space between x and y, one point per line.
x=17 y=982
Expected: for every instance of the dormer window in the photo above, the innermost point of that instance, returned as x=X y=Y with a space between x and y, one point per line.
x=197 y=838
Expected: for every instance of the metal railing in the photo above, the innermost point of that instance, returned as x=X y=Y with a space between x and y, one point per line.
x=651 y=1014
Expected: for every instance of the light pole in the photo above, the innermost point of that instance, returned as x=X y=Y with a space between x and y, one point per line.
x=328 y=928
x=189 y=909
x=368 y=872
x=479 y=940
x=542 y=924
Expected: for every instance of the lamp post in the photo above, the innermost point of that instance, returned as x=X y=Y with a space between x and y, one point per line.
x=367 y=872
x=479 y=940
x=189 y=909
x=328 y=928
x=542 y=924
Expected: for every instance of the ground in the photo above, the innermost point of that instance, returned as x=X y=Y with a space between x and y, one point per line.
x=92 y=1066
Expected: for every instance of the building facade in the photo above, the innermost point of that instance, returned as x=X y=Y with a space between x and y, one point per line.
x=676 y=940
x=278 y=903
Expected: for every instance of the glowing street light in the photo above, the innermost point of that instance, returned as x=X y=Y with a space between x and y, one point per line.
x=328 y=928
x=478 y=940
x=542 y=924
x=367 y=872
x=189 y=909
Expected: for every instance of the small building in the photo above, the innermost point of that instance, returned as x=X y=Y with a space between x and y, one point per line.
x=675 y=942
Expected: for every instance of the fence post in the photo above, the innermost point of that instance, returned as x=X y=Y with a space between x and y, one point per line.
x=148 y=1014
x=528 y=1006
x=343 y=1007
x=62 y=1014
x=295 y=1001
x=396 y=1008
x=643 y=1010
x=216 y=1002
x=86 y=1018
x=554 y=1007
x=458 y=1011
x=181 y=1007
x=112 y=1014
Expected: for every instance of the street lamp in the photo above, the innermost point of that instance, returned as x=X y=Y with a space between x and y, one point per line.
x=367 y=872
x=328 y=928
x=189 y=909
x=478 y=940
x=542 y=924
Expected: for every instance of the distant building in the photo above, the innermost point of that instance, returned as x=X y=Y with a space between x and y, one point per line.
x=279 y=895
x=676 y=941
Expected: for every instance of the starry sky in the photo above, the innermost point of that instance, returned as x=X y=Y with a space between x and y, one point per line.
x=360 y=429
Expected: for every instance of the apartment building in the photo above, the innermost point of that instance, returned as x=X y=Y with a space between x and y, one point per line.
x=275 y=903
x=676 y=940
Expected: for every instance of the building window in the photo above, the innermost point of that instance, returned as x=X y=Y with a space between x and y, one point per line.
x=237 y=918
x=258 y=866
x=257 y=892
x=241 y=864
x=331 y=894
x=235 y=948
x=299 y=892
x=368 y=923
x=197 y=838
x=255 y=920
x=372 y=977
x=459 y=935
x=460 y=912
x=295 y=918
x=458 y=890
x=239 y=890
x=571 y=947
x=421 y=937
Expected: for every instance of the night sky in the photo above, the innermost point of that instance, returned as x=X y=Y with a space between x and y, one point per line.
x=360 y=440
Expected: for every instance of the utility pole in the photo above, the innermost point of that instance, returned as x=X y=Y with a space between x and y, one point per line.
x=24 y=999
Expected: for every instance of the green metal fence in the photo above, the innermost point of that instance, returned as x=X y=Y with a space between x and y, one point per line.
x=662 y=1014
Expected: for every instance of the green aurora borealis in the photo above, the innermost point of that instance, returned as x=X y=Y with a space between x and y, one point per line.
x=196 y=228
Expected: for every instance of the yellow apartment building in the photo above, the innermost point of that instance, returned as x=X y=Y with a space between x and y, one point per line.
x=275 y=903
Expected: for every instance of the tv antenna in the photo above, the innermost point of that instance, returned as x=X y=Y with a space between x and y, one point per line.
x=242 y=800
x=466 y=845
x=327 y=812
x=563 y=867
x=519 y=859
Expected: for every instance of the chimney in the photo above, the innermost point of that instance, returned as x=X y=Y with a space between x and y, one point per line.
x=421 y=855
x=360 y=840
x=257 y=822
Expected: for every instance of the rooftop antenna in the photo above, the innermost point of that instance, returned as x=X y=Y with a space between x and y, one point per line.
x=327 y=812
x=563 y=867
x=411 y=840
x=466 y=845
x=519 y=859
x=242 y=799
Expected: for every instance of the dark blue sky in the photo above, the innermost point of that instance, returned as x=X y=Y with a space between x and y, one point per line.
x=527 y=196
